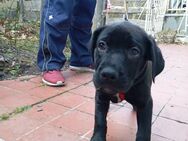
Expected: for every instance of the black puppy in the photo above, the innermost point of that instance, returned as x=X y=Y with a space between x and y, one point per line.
x=126 y=61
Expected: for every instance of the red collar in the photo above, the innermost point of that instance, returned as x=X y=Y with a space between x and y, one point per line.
x=120 y=96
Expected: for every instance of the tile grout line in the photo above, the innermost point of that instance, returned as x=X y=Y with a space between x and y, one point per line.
x=84 y=135
x=8 y=88
x=158 y=115
x=57 y=117
x=36 y=128
x=181 y=122
x=46 y=99
x=163 y=137
x=58 y=94
x=74 y=108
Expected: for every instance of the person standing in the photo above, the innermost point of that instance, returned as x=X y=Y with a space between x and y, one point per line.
x=59 y=19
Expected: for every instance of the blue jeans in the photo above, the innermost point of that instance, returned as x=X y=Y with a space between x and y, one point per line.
x=60 y=18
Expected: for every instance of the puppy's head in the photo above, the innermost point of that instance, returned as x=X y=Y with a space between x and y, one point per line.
x=120 y=52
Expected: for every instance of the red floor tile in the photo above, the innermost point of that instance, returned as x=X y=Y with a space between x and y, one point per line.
x=45 y=111
x=86 y=91
x=163 y=87
x=16 y=127
x=81 y=78
x=170 y=129
x=175 y=112
x=50 y=133
x=68 y=86
x=119 y=132
x=44 y=92
x=124 y=116
x=182 y=92
x=67 y=115
x=36 y=79
x=89 y=134
x=114 y=107
x=157 y=107
x=4 y=110
x=159 y=101
x=7 y=92
x=7 y=82
x=159 y=138
x=75 y=121
x=179 y=101
x=69 y=100
x=83 y=139
x=163 y=98
x=90 y=84
x=23 y=85
x=14 y=101
x=87 y=107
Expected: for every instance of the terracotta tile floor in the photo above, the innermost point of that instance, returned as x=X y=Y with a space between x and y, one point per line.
x=67 y=113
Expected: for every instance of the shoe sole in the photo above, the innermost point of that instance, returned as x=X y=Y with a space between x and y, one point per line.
x=81 y=69
x=52 y=84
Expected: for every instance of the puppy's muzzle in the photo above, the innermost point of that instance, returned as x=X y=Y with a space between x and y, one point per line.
x=109 y=74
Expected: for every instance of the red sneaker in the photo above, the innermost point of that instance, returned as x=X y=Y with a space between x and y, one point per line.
x=53 y=78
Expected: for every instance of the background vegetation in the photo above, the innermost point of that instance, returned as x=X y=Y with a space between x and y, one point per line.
x=19 y=37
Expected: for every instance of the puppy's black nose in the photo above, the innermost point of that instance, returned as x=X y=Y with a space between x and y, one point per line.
x=109 y=74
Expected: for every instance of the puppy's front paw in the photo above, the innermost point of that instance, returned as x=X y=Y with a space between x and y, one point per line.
x=97 y=137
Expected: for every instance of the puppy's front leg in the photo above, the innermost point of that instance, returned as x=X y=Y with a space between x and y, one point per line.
x=101 y=109
x=144 y=120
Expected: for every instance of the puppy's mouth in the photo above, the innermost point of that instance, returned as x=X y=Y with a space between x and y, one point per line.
x=112 y=90
x=107 y=90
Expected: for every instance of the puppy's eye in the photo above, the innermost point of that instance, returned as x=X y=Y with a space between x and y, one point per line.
x=102 y=46
x=134 y=51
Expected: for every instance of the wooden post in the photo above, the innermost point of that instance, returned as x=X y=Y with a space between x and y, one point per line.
x=99 y=17
x=153 y=14
x=21 y=11
x=41 y=8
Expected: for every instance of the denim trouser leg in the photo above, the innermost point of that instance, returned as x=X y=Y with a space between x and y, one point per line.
x=80 y=32
x=55 y=26
x=60 y=18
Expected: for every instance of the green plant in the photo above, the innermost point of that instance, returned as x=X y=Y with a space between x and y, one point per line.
x=15 y=70
x=21 y=109
x=4 y=117
x=18 y=110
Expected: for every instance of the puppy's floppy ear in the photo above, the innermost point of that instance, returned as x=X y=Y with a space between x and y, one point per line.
x=94 y=38
x=154 y=54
